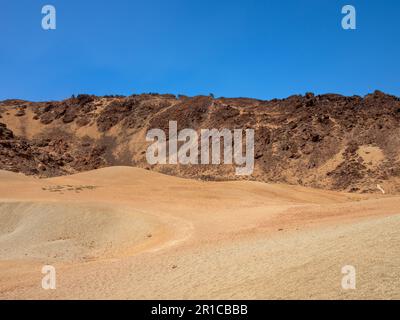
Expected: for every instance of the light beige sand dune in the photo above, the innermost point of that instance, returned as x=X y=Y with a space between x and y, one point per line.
x=130 y=233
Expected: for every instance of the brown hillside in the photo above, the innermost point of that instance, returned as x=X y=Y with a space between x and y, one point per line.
x=327 y=141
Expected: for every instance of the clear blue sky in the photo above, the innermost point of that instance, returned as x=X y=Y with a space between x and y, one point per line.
x=255 y=48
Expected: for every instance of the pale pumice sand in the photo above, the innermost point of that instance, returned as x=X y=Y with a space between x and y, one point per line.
x=128 y=233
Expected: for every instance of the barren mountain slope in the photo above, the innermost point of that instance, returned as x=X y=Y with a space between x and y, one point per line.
x=327 y=141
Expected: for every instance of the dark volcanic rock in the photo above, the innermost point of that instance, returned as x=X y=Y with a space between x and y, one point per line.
x=20 y=155
x=5 y=134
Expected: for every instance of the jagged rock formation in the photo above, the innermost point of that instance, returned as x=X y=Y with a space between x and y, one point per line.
x=326 y=141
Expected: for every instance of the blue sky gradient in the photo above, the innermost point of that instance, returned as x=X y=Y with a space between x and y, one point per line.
x=254 y=48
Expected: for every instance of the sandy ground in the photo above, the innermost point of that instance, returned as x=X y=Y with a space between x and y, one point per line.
x=128 y=233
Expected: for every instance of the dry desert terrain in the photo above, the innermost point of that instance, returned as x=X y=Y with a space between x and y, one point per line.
x=129 y=233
